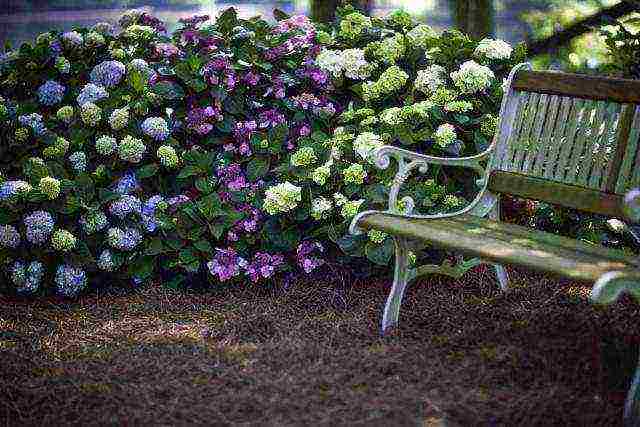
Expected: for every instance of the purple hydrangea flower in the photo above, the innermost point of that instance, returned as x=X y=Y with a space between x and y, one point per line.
x=123 y=239
x=70 y=280
x=125 y=205
x=306 y=255
x=251 y=78
x=9 y=236
x=263 y=266
x=226 y=264
x=199 y=119
x=39 y=226
x=92 y=93
x=271 y=118
x=108 y=73
x=50 y=93
x=156 y=128
x=149 y=221
x=126 y=184
x=10 y=189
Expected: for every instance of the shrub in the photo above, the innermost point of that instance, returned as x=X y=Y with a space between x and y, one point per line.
x=229 y=150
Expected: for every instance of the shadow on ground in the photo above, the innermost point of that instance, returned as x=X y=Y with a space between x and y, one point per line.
x=311 y=354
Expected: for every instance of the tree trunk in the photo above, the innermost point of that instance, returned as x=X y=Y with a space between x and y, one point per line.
x=323 y=10
x=475 y=18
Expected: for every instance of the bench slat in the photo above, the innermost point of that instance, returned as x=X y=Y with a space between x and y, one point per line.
x=607 y=146
x=571 y=196
x=569 y=138
x=584 y=128
x=627 y=176
x=543 y=153
x=579 y=86
x=535 y=138
x=594 y=130
x=484 y=238
x=524 y=140
x=557 y=141
x=511 y=140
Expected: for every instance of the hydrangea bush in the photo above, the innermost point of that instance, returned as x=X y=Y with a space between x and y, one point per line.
x=230 y=150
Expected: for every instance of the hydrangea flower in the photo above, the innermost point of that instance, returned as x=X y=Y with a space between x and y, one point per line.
x=106 y=145
x=63 y=241
x=50 y=186
x=156 y=128
x=199 y=119
x=119 y=118
x=458 y=106
x=126 y=184
x=70 y=280
x=63 y=65
x=389 y=50
x=377 y=236
x=72 y=39
x=91 y=93
x=167 y=156
x=493 y=49
x=123 y=239
x=39 y=226
x=472 y=77
x=451 y=201
x=442 y=96
x=321 y=208
x=90 y=114
x=9 y=236
x=125 y=205
x=65 y=114
x=307 y=255
x=350 y=208
x=391 y=80
x=330 y=61
x=422 y=36
x=21 y=135
x=93 y=222
x=354 y=174
x=107 y=73
x=354 y=65
x=263 y=266
x=489 y=125
x=59 y=148
x=93 y=39
x=366 y=144
x=282 y=198
x=33 y=121
x=321 y=174
x=104 y=28
x=27 y=280
x=353 y=25
x=226 y=264
x=78 y=161
x=105 y=261
x=303 y=157
x=9 y=189
x=445 y=135
x=430 y=79
x=131 y=149
x=148 y=215
x=50 y=93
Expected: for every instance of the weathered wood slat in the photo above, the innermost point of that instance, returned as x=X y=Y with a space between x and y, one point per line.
x=593 y=136
x=507 y=127
x=557 y=138
x=577 y=154
x=627 y=177
x=579 y=86
x=535 y=140
x=479 y=238
x=606 y=148
x=569 y=139
x=512 y=139
x=570 y=196
x=622 y=158
x=524 y=141
x=546 y=140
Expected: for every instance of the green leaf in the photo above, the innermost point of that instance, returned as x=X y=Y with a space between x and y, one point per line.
x=168 y=90
x=205 y=186
x=147 y=171
x=280 y=15
x=379 y=253
x=257 y=168
x=188 y=171
x=154 y=247
x=203 y=246
x=227 y=20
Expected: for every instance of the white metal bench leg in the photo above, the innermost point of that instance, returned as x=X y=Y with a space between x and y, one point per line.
x=503 y=277
x=632 y=404
x=400 y=280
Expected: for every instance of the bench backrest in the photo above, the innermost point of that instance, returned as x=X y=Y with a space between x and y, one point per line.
x=569 y=139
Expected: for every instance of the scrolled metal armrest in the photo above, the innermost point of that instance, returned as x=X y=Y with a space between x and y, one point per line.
x=631 y=205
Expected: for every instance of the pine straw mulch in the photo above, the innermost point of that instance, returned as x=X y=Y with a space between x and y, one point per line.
x=309 y=353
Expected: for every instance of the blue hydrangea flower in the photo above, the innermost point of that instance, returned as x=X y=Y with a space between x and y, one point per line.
x=125 y=205
x=33 y=121
x=108 y=73
x=156 y=128
x=9 y=236
x=78 y=161
x=123 y=239
x=9 y=189
x=32 y=276
x=51 y=93
x=92 y=93
x=70 y=280
x=105 y=261
x=72 y=38
x=93 y=222
x=39 y=226
x=149 y=221
x=126 y=184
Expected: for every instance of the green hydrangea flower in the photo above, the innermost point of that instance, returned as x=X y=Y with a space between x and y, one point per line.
x=65 y=114
x=94 y=39
x=458 y=106
x=391 y=80
x=168 y=157
x=366 y=144
x=119 y=118
x=90 y=114
x=63 y=241
x=377 y=236
x=353 y=25
x=131 y=149
x=489 y=125
x=303 y=157
x=445 y=135
x=422 y=36
x=442 y=96
x=354 y=174
x=350 y=208
x=21 y=135
x=58 y=149
x=387 y=51
x=321 y=174
x=106 y=145
x=50 y=186
x=400 y=18
x=321 y=208
x=282 y=198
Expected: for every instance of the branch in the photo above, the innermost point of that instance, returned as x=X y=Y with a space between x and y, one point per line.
x=583 y=26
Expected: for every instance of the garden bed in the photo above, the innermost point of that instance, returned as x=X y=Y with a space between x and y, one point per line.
x=310 y=353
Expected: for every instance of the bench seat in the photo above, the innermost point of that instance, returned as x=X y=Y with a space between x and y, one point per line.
x=507 y=244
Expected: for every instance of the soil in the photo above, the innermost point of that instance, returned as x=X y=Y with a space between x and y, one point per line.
x=309 y=353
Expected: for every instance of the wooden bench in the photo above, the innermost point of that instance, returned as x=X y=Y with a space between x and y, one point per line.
x=566 y=139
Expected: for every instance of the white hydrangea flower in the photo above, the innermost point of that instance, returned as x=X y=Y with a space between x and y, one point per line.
x=392 y=116
x=472 y=77
x=430 y=79
x=321 y=208
x=445 y=135
x=493 y=49
x=282 y=198
x=321 y=174
x=366 y=144
x=354 y=65
x=330 y=61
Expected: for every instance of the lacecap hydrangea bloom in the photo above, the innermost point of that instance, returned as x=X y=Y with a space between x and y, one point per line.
x=39 y=226
x=119 y=118
x=445 y=135
x=70 y=280
x=303 y=157
x=283 y=197
x=493 y=49
x=106 y=145
x=108 y=73
x=9 y=236
x=366 y=144
x=91 y=93
x=50 y=186
x=156 y=128
x=90 y=114
x=63 y=241
x=321 y=208
x=472 y=77
x=131 y=149
x=168 y=156
x=123 y=239
x=50 y=93
x=430 y=79
x=354 y=174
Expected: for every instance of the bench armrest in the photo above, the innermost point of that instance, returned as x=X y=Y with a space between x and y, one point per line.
x=631 y=205
x=408 y=161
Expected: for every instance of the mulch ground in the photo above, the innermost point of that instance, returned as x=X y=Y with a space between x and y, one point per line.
x=309 y=353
